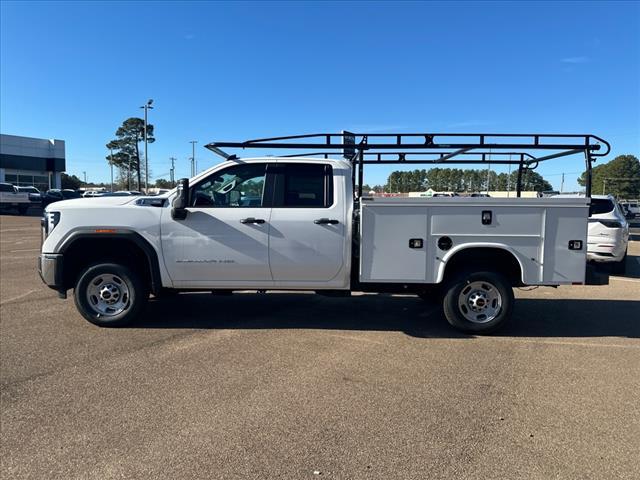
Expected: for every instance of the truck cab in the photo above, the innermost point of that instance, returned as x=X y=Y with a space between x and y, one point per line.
x=262 y=224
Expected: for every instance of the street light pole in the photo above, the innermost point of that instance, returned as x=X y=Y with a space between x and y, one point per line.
x=111 y=165
x=193 y=158
x=173 y=170
x=146 y=107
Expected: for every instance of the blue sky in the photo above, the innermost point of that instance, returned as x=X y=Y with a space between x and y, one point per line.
x=233 y=71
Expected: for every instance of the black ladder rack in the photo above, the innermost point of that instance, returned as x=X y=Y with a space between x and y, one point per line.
x=433 y=148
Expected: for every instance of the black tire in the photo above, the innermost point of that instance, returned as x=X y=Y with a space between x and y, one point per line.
x=498 y=298
x=620 y=268
x=133 y=294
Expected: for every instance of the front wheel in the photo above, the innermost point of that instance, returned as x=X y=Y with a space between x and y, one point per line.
x=478 y=302
x=110 y=295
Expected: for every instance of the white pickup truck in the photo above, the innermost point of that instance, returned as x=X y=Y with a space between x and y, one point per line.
x=292 y=223
x=10 y=197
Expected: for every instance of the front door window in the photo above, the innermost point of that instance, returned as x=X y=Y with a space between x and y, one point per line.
x=237 y=186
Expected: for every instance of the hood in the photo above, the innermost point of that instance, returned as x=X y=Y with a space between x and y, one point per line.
x=89 y=202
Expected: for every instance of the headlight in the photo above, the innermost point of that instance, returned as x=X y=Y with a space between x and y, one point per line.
x=49 y=222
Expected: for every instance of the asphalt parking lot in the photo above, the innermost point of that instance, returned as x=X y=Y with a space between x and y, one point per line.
x=301 y=386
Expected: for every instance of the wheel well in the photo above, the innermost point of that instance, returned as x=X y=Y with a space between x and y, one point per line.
x=487 y=259
x=88 y=250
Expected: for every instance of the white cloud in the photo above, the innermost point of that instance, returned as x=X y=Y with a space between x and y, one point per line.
x=573 y=60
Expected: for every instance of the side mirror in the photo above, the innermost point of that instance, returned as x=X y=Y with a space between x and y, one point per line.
x=181 y=202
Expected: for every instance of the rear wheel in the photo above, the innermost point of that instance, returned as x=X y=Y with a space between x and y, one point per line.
x=110 y=295
x=478 y=302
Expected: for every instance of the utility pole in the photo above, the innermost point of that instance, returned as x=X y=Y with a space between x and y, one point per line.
x=562 y=183
x=146 y=107
x=488 y=178
x=111 y=165
x=616 y=179
x=194 y=168
x=85 y=177
x=173 y=170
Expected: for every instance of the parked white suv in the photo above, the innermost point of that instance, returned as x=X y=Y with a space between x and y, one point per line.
x=608 y=238
x=608 y=234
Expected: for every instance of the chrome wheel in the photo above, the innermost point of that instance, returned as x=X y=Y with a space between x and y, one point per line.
x=480 y=302
x=108 y=295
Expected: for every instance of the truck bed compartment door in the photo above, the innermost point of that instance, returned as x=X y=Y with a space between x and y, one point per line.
x=394 y=244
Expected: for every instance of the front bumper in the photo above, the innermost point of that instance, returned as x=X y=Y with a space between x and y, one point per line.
x=50 y=270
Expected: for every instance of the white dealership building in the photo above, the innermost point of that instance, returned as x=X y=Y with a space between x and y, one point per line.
x=26 y=161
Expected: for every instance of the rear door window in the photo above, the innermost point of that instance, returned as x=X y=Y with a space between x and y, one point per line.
x=304 y=186
x=600 y=205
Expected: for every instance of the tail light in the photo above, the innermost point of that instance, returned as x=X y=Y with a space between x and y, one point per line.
x=611 y=223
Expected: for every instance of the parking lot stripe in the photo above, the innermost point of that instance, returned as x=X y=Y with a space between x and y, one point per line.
x=553 y=342
x=5 y=302
x=625 y=279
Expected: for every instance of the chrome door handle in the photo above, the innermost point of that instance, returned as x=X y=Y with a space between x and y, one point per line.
x=326 y=221
x=251 y=220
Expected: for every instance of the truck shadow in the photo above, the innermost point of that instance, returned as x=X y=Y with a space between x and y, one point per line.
x=633 y=266
x=381 y=312
x=632 y=269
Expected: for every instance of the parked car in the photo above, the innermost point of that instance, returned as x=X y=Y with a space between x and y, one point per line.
x=628 y=214
x=632 y=207
x=115 y=194
x=56 y=195
x=608 y=234
x=92 y=193
x=34 y=194
x=608 y=239
x=10 y=197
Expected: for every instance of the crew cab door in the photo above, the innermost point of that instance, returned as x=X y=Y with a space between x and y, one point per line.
x=224 y=239
x=308 y=236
